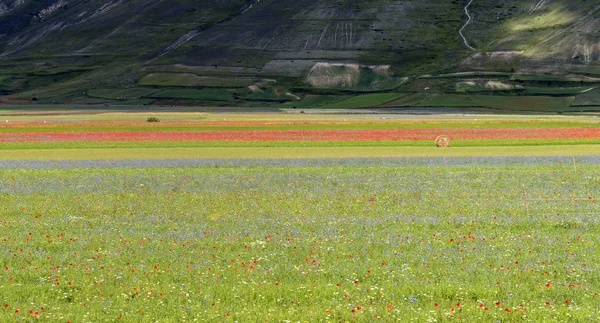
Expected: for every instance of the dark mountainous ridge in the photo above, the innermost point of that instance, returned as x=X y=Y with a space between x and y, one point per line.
x=116 y=43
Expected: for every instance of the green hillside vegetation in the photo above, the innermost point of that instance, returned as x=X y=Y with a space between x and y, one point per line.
x=365 y=101
x=510 y=103
x=122 y=94
x=568 y=91
x=65 y=51
x=553 y=78
x=186 y=79
x=489 y=86
x=268 y=94
x=467 y=74
x=314 y=101
x=591 y=98
x=204 y=94
x=353 y=77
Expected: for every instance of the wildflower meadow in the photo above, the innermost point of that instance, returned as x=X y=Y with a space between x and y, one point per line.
x=491 y=239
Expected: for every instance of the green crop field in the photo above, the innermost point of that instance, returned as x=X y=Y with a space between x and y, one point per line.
x=569 y=91
x=506 y=103
x=365 y=101
x=313 y=151
x=70 y=149
x=553 y=78
x=590 y=98
x=421 y=239
x=467 y=74
x=269 y=94
x=314 y=101
x=204 y=94
x=186 y=79
x=120 y=94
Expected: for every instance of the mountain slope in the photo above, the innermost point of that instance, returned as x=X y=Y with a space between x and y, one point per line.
x=62 y=45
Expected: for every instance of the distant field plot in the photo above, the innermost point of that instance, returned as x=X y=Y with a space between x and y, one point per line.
x=268 y=94
x=486 y=86
x=204 y=94
x=365 y=100
x=554 y=78
x=590 y=98
x=567 y=91
x=122 y=94
x=188 y=79
x=302 y=135
x=353 y=77
x=467 y=74
x=365 y=239
x=284 y=151
x=314 y=101
x=507 y=103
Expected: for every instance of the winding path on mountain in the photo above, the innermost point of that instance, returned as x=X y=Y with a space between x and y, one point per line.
x=465 y=26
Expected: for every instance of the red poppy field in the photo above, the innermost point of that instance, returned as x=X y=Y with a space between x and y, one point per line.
x=303 y=135
x=182 y=131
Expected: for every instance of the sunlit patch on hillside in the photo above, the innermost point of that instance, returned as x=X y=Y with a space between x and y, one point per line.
x=548 y=19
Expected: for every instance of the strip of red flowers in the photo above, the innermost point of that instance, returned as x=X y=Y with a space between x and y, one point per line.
x=294 y=135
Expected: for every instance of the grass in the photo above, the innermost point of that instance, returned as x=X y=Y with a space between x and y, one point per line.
x=303 y=241
x=505 y=103
x=551 y=78
x=569 y=91
x=269 y=94
x=353 y=77
x=187 y=79
x=122 y=94
x=7 y=147
x=467 y=74
x=314 y=101
x=204 y=94
x=365 y=101
x=206 y=122
x=549 y=19
x=591 y=98
x=297 y=152
x=472 y=87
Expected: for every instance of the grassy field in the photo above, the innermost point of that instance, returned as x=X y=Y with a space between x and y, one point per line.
x=365 y=101
x=483 y=239
x=501 y=103
x=120 y=94
x=590 y=98
x=467 y=74
x=569 y=91
x=8 y=147
x=269 y=94
x=204 y=94
x=187 y=79
x=314 y=101
x=297 y=152
x=489 y=229
x=553 y=78
x=473 y=87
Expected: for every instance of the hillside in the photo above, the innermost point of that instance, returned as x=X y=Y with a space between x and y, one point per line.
x=281 y=50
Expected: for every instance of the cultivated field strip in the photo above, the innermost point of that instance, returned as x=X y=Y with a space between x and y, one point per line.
x=414 y=161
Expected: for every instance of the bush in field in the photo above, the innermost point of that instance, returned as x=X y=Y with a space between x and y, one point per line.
x=152 y=119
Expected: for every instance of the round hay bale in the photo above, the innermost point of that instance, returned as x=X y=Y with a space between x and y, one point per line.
x=442 y=141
